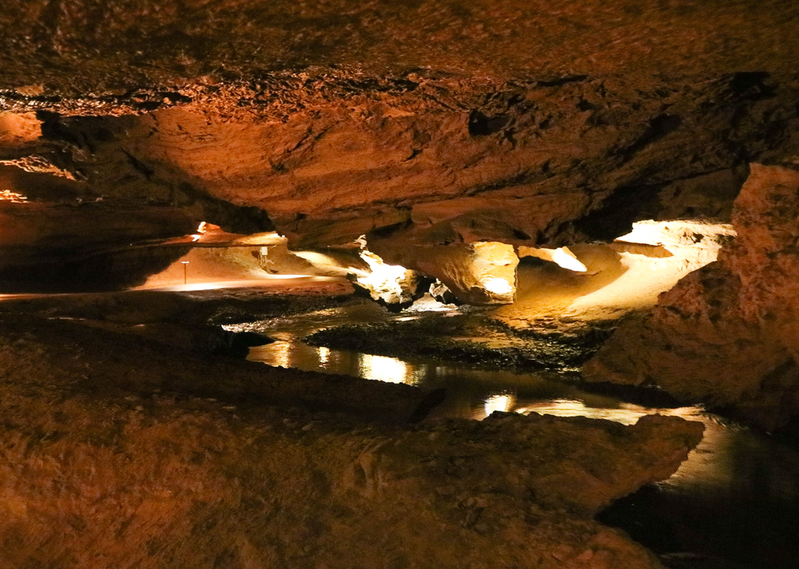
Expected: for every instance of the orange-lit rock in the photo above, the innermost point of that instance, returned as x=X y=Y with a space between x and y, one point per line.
x=479 y=273
x=450 y=134
x=727 y=334
x=120 y=451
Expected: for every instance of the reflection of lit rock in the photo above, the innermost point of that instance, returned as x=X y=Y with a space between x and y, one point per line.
x=279 y=354
x=499 y=402
x=387 y=369
x=624 y=413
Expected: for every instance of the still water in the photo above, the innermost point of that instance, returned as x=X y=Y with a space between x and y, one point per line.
x=735 y=500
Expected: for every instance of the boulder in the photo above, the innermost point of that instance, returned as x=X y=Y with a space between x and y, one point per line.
x=727 y=334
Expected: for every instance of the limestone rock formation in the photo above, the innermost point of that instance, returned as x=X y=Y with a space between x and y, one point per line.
x=432 y=124
x=728 y=334
x=450 y=133
x=112 y=462
x=479 y=273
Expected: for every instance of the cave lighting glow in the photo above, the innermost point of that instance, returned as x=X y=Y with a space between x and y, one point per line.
x=624 y=413
x=281 y=353
x=499 y=402
x=316 y=258
x=265 y=280
x=567 y=260
x=324 y=355
x=13 y=197
x=497 y=285
x=429 y=304
x=679 y=233
x=390 y=370
x=201 y=229
x=562 y=256
x=382 y=276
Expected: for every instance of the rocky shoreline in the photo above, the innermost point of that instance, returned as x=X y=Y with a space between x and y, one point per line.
x=114 y=441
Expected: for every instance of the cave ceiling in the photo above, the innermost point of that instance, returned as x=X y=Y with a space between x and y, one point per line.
x=417 y=123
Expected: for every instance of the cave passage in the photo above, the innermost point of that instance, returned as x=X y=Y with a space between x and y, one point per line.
x=355 y=285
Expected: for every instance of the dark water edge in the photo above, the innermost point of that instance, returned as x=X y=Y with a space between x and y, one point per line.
x=734 y=504
x=733 y=531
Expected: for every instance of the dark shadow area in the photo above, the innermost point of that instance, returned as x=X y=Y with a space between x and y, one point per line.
x=116 y=270
x=742 y=513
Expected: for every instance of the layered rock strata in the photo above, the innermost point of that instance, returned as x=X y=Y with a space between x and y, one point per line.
x=429 y=123
x=547 y=164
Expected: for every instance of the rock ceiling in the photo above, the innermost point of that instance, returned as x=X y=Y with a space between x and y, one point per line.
x=427 y=123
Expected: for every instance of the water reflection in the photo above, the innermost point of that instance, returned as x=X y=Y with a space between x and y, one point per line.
x=625 y=413
x=324 y=355
x=281 y=354
x=728 y=461
x=388 y=369
x=288 y=352
x=736 y=497
x=499 y=402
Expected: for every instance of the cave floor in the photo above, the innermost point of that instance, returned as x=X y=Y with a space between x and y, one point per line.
x=133 y=439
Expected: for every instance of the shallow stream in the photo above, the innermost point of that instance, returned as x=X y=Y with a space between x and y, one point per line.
x=733 y=503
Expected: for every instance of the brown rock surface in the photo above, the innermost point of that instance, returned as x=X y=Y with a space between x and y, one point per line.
x=433 y=123
x=349 y=163
x=428 y=126
x=727 y=334
x=478 y=273
x=149 y=42
x=114 y=456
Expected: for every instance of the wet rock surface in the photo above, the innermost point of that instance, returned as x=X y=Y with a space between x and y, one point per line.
x=137 y=453
x=726 y=334
x=466 y=338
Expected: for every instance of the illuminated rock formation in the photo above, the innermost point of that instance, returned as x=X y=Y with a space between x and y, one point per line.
x=479 y=273
x=432 y=124
x=727 y=334
x=451 y=134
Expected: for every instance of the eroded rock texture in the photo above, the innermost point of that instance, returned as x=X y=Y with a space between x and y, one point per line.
x=429 y=123
x=118 y=461
x=426 y=125
x=728 y=333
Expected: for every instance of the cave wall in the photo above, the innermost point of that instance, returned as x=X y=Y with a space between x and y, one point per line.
x=121 y=47
x=441 y=161
x=728 y=334
x=426 y=126
x=432 y=123
x=433 y=163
